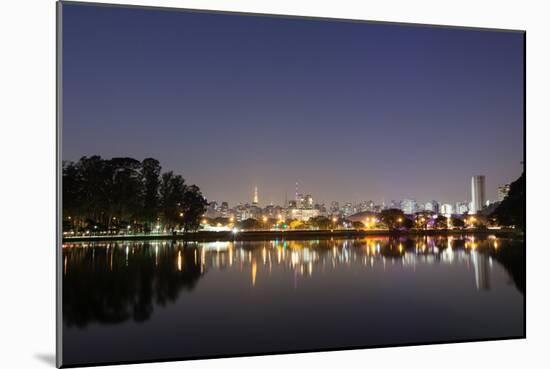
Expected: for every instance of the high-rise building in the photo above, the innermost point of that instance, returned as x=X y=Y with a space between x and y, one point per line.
x=348 y=209
x=408 y=206
x=461 y=207
x=212 y=209
x=502 y=191
x=224 y=209
x=393 y=205
x=370 y=205
x=255 y=199
x=321 y=208
x=308 y=202
x=432 y=206
x=478 y=194
x=300 y=201
x=446 y=210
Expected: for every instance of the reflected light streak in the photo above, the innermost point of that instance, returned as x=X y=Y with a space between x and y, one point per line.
x=254 y=273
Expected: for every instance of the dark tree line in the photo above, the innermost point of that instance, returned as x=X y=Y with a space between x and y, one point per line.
x=511 y=211
x=111 y=194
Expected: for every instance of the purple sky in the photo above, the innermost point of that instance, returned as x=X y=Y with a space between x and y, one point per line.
x=353 y=111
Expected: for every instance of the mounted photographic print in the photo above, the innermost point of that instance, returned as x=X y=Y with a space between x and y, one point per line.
x=244 y=184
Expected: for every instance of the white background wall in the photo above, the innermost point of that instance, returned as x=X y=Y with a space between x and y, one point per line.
x=27 y=180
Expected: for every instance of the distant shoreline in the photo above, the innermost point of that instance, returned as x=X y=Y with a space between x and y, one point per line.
x=292 y=235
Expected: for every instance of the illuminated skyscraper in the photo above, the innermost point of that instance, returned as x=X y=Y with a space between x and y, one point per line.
x=478 y=194
x=408 y=206
x=308 y=202
x=255 y=199
x=446 y=210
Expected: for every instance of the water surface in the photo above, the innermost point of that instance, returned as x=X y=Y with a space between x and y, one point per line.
x=154 y=300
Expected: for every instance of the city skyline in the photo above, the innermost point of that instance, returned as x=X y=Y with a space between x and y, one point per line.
x=256 y=199
x=355 y=111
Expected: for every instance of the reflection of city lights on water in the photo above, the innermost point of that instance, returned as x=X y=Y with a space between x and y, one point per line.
x=254 y=273
x=294 y=258
x=304 y=255
x=216 y=245
x=203 y=258
x=111 y=261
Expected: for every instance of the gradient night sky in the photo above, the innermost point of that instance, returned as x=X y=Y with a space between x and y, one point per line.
x=354 y=111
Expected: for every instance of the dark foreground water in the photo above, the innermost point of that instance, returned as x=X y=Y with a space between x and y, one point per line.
x=132 y=301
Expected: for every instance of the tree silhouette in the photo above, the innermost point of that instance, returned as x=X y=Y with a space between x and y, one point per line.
x=172 y=192
x=193 y=206
x=511 y=210
x=393 y=218
x=150 y=172
x=101 y=194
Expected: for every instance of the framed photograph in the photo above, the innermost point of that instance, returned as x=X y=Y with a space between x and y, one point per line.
x=235 y=184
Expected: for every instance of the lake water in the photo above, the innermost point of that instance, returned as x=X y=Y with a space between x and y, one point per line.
x=158 y=300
